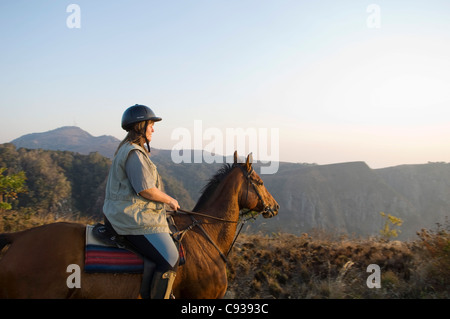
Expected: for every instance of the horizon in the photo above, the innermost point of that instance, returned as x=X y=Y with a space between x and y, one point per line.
x=241 y=156
x=347 y=81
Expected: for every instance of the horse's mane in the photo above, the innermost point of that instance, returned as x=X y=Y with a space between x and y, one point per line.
x=213 y=182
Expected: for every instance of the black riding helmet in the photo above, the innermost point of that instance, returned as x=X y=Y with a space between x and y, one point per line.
x=137 y=113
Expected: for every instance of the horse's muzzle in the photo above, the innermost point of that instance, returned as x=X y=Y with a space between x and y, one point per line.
x=270 y=212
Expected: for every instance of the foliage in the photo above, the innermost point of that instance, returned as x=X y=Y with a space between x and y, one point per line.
x=10 y=186
x=48 y=186
x=58 y=182
x=387 y=231
x=435 y=246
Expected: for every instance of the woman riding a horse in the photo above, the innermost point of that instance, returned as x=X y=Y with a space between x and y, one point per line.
x=134 y=201
x=34 y=262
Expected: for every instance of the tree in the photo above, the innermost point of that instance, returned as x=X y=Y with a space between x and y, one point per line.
x=10 y=186
x=48 y=186
x=387 y=232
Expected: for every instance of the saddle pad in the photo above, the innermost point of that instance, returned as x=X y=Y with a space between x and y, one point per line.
x=101 y=258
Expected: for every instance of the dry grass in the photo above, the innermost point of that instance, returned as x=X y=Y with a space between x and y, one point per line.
x=288 y=266
x=12 y=221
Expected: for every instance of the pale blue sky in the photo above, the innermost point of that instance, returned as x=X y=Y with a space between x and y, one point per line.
x=336 y=89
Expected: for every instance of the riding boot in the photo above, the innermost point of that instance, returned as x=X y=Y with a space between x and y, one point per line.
x=161 y=286
x=147 y=275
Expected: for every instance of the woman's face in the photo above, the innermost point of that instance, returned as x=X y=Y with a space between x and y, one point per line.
x=149 y=131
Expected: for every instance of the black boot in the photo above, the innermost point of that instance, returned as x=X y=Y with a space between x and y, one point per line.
x=147 y=277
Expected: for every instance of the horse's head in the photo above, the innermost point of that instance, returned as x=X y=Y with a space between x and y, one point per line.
x=254 y=195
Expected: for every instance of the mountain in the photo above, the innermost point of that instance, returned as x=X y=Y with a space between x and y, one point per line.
x=342 y=198
x=426 y=189
x=345 y=198
x=69 y=138
x=348 y=198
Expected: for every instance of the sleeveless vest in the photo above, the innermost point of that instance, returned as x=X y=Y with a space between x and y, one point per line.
x=129 y=213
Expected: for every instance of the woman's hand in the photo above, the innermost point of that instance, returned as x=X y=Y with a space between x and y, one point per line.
x=156 y=195
x=173 y=204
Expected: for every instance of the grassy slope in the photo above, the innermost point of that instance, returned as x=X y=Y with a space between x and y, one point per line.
x=287 y=266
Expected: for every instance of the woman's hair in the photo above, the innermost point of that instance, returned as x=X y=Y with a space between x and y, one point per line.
x=136 y=135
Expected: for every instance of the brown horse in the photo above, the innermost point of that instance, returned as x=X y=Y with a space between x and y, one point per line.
x=35 y=264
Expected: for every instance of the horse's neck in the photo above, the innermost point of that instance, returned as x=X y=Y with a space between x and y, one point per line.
x=224 y=204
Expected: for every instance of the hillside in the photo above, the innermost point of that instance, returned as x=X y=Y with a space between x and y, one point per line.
x=318 y=266
x=342 y=198
x=69 y=138
x=348 y=198
x=426 y=189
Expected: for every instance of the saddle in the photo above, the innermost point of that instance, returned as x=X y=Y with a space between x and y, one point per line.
x=108 y=252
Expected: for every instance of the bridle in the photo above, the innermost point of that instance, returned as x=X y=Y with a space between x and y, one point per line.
x=266 y=208
x=196 y=223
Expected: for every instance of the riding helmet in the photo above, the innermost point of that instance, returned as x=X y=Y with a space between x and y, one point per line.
x=137 y=113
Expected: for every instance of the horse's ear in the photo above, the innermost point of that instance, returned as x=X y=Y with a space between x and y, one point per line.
x=248 y=163
x=235 y=157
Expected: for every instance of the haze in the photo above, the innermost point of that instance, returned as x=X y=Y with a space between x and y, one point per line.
x=341 y=80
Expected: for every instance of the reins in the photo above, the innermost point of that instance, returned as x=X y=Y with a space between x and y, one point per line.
x=187 y=212
x=180 y=234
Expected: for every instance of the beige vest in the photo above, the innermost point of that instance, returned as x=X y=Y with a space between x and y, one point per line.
x=129 y=213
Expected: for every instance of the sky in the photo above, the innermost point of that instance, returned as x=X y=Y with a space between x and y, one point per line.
x=316 y=81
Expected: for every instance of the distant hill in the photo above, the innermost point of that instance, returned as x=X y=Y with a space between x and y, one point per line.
x=343 y=197
x=348 y=198
x=425 y=188
x=69 y=138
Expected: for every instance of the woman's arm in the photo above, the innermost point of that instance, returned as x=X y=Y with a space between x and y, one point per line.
x=156 y=195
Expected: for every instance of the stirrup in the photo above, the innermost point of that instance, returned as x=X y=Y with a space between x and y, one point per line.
x=170 y=275
x=162 y=283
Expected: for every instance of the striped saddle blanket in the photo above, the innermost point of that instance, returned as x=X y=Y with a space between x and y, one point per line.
x=103 y=258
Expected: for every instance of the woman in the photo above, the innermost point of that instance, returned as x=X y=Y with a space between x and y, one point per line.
x=134 y=201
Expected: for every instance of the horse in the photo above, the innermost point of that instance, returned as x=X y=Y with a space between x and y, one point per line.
x=35 y=264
